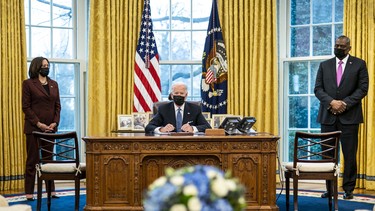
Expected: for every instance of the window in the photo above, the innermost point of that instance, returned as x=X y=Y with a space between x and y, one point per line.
x=180 y=29
x=311 y=29
x=51 y=32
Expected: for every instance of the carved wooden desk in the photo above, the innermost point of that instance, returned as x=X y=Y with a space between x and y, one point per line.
x=121 y=166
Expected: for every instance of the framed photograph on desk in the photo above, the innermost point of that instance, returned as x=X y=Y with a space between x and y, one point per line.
x=206 y=115
x=125 y=122
x=217 y=119
x=140 y=120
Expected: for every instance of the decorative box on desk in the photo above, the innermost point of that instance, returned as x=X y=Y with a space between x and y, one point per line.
x=120 y=166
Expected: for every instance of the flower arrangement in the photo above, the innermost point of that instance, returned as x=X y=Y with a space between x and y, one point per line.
x=195 y=188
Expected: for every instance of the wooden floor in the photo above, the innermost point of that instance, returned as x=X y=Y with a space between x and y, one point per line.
x=304 y=186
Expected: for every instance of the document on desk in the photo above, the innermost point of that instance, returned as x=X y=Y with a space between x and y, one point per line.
x=175 y=133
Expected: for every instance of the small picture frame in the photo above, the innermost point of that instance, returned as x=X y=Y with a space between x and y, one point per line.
x=206 y=115
x=217 y=119
x=140 y=120
x=125 y=122
x=150 y=115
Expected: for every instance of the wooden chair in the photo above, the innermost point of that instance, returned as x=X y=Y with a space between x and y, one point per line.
x=58 y=160
x=315 y=158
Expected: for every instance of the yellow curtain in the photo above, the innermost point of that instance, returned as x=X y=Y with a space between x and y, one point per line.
x=249 y=30
x=359 y=26
x=114 y=27
x=12 y=66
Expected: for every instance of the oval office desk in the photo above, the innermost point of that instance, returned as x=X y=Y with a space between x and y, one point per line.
x=120 y=166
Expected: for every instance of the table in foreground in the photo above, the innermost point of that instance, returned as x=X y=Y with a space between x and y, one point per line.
x=121 y=166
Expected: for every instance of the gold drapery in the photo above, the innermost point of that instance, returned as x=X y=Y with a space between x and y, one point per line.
x=114 y=28
x=12 y=66
x=359 y=26
x=249 y=29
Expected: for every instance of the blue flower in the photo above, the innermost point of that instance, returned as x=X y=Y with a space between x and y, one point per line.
x=204 y=188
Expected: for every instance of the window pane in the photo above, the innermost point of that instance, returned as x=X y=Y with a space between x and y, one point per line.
x=165 y=79
x=27 y=12
x=322 y=40
x=62 y=13
x=40 y=13
x=201 y=14
x=314 y=66
x=181 y=73
x=197 y=77
x=27 y=41
x=181 y=46
x=160 y=14
x=322 y=11
x=298 y=78
x=298 y=112
x=300 y=41
x=63 y=43
x=40 y=42
x=181 y=14
x=162 y=42
x=300 y=12
x=338 y=31
x=65 y=76
x=198 y=44
x=339 y=10
x=67 y=117
x=314 y=112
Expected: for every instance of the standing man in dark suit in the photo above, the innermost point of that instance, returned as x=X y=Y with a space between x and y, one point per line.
x=167 y=118
x=41 y=105
x=341 y=84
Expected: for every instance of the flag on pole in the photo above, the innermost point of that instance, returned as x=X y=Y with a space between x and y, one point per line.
x=147 y=88
x=214 y=67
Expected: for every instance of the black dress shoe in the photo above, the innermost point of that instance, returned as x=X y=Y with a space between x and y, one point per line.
x=348 y=195
x=30 y=199
x=324 y=195
x=55 y=197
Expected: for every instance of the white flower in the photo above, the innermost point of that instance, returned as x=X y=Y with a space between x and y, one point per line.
x=212 y=174
x=158 y=182
x=241 y=200
x=218 y=188
x=190 y=190
x=231 y=185
x=177 y=180
x=194 y=204
x=178 y=207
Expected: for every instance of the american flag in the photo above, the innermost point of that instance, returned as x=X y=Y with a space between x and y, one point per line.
x=147 y=88
x=210 y=76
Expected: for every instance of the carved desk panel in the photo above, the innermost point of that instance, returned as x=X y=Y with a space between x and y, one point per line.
x=121 y=166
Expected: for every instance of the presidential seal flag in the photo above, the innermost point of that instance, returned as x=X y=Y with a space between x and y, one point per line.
x=214 y=68
x=147 y=88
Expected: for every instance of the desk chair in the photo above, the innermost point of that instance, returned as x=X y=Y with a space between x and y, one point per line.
x=58 y=160
x=312 y=162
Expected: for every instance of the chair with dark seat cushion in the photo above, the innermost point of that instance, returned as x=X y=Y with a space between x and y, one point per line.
x=60 y=163
x=311 y=162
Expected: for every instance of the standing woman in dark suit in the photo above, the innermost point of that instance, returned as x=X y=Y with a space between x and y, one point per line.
x=41 y=105
x=341 y=84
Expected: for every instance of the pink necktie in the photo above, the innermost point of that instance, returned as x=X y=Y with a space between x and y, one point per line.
x=339 y=73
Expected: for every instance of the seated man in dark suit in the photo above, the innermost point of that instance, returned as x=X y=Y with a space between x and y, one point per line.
x=178 y=116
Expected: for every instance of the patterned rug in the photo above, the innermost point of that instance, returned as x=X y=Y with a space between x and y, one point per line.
x=307 y=200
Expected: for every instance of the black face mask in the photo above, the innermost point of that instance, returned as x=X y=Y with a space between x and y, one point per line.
x=340 y=53
x=44 y=71
x=179 y=100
